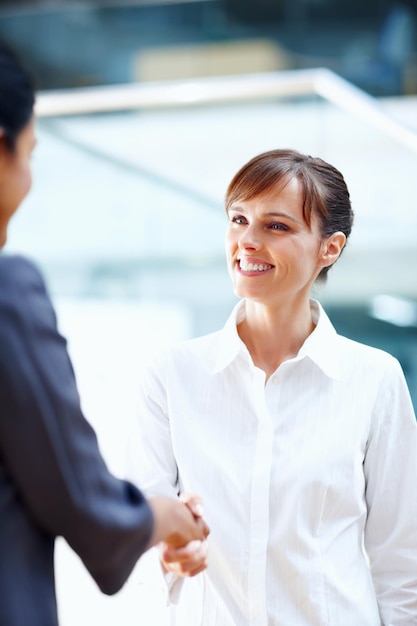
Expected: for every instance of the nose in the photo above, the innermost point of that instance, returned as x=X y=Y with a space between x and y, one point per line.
x=250 y=238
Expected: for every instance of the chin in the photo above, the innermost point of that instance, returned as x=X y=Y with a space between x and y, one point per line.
x=245 y=293
x=239 y=292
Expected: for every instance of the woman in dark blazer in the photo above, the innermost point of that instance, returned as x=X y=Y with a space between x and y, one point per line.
x=53 y=481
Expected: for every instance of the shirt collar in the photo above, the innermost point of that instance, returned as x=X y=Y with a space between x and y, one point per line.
x=319 y=347
x=230 y=344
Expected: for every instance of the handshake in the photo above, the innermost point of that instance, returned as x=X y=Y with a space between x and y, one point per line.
x=181 y=533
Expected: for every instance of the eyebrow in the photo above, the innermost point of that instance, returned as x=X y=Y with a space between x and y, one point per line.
x=240 y=209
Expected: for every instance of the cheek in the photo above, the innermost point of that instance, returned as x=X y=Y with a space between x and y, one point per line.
x=19 y=187
x=229 y=255
x=230 y=246
x=22 y=182
x=25 y=179
x=17 y=181
x=231 y=239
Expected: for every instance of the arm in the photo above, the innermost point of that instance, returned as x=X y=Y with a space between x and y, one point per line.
x=50 y=451
x=391 y=487
x=152 y=464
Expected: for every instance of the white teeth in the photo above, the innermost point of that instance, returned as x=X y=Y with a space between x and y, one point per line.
x=253 y=267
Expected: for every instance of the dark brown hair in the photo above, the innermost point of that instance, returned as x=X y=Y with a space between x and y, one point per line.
x=16 y=96
x=323 y=188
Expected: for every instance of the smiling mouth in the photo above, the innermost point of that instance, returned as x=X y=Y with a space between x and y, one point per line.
x=254 y=267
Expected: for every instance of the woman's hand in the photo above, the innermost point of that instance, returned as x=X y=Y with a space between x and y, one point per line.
x=187 y=561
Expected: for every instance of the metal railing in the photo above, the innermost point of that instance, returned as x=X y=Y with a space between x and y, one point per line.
x=228 y=89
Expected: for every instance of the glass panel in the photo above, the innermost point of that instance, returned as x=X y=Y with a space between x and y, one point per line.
x=129 y=206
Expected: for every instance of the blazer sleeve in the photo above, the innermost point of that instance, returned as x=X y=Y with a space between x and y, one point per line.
x=390 y=467
x=49 y=449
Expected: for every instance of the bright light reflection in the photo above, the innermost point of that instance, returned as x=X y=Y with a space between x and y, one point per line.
x=394 y=310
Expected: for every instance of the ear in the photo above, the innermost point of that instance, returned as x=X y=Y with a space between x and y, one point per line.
x=332 y=248
x=2 y=141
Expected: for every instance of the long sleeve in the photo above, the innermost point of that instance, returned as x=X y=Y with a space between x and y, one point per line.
x=49 y=451
x=151 y=457
x=391 y=488
x=151 y=463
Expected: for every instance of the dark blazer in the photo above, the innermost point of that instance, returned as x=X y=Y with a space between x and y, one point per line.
x=53 y=480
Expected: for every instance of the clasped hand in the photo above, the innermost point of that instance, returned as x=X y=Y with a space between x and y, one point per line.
x=191 y=559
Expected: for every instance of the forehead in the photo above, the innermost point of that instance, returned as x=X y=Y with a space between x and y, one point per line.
x=289 y=191
x=258 y=182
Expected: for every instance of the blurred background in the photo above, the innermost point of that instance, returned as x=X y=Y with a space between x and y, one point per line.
x=126 y=214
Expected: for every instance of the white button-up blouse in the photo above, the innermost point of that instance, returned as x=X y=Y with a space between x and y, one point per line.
x=309 y=481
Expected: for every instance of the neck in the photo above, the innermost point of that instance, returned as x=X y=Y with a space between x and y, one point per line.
x=273 y=336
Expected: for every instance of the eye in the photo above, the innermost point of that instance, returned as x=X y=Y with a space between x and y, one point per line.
x=278 y=226
x=238 y=219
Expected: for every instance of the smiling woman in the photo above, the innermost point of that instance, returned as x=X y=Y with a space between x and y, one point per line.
x=281 y=238
x=270 y=232
x=289 y=431
x=307 y=185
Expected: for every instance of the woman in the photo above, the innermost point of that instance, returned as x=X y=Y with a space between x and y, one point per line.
x=302 y=443
x=53 y=481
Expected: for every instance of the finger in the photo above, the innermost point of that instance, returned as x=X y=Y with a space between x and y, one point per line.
x=198 y=564
x=194 y=503
x=197 y=571
x=191 y=566
x=186 y=553
x=203 y=527
x=185 y=569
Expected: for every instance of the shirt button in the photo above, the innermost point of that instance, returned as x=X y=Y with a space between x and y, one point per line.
x=275 y=380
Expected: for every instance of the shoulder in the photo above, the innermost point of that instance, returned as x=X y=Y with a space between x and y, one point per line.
x=199 y=345
x=364 y=351
x=202 y=348
x=186 y=355
x=17 y=271
x=367 y=362
x=23 y=294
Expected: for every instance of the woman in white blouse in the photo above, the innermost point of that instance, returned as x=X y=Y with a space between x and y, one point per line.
x=302 y=443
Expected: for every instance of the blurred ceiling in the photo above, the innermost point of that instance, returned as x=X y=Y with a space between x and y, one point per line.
x=92 y=42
